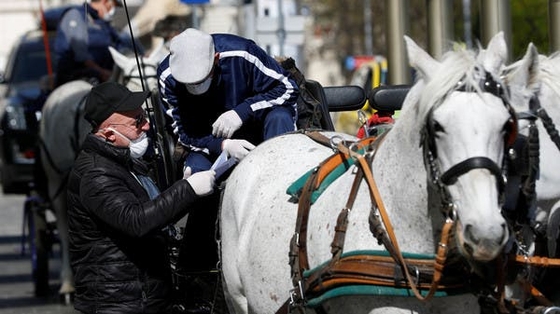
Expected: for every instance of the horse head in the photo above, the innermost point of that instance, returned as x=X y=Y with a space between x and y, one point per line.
x=130 y=74
x=466 y=124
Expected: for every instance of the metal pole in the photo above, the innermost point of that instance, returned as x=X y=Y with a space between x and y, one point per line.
x=440 y=26
x=397 y=21
x=554 y=25
x=281 y=32
x=467 y=23
x=195 y=19
x=496 y=17
x=368 y=32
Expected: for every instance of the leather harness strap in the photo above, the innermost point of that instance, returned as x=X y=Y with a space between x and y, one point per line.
x=365 y=269
x=299 y=241
x=372 y=270
x=538 y=261
x=442 y=247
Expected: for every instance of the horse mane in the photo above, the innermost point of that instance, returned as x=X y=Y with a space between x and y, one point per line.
x=549 y=69
x=468 y=71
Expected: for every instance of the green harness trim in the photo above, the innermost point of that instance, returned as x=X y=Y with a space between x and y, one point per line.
x=295 y=188
x=371 y=289
x=367 y=290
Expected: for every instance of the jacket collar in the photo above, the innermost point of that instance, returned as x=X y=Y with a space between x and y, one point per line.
x=120 y=155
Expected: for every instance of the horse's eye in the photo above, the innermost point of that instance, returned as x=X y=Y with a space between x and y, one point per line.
x=508 y=127
x=437 y=127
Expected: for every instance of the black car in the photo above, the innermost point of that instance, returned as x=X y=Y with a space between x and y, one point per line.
x=23 y=90
x=24 y=86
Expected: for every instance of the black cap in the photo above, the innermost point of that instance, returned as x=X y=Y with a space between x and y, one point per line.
x=110 y=97
x=118 y=3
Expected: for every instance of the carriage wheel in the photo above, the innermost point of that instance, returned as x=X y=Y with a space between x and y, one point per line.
x=39 y=246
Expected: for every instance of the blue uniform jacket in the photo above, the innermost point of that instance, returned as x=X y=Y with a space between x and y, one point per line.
x=82 y=35
x=246 y=80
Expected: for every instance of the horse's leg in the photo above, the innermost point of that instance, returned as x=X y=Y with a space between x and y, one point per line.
x=58 y=202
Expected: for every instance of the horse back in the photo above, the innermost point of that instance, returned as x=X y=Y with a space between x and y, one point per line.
x=62 y=128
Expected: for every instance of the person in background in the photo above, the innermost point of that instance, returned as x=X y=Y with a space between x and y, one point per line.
x=83 y=36
x=117 y=215
x=224 y=93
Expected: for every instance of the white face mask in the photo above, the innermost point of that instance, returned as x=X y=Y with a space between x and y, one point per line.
x=109 y=14
x=137 y=147
x=200 y=88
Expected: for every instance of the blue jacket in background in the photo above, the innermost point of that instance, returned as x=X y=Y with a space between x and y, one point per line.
x=82 y=35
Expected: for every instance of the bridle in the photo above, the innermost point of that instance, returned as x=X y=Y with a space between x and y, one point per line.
x=489 y=85
x=142 y=77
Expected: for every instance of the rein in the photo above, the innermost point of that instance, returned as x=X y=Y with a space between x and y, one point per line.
x=362 y=269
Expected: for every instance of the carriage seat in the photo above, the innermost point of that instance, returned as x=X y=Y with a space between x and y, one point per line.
x=388 y=98
x=335 y=98
x=345 y=98
x=316 y=89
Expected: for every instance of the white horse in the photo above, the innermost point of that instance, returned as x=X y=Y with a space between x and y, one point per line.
x=62 y=130
x=464 y=123
x=537 y=77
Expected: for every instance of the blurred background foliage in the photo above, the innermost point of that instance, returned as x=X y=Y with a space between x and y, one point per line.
x=343 y=21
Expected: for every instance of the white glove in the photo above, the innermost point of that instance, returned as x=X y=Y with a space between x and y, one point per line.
x=237 y=149
x=187 y=172
x=226 y=124
x=202 y=182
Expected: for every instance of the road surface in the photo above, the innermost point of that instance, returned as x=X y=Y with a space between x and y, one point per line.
x=16 y=284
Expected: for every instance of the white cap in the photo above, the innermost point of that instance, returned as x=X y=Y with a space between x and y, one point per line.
x=192 y=56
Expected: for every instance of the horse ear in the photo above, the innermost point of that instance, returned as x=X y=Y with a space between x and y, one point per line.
x=528 y=69
x=420 y=59
x=494 y=57
x=121 y=60
x=158 y=53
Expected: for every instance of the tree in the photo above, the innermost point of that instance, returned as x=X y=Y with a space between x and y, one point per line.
x=345 y=18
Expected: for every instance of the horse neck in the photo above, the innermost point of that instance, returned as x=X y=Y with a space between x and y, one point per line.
x=549 y=98
x=401 y=178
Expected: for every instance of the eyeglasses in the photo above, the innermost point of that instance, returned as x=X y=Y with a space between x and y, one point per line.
x=139 y=121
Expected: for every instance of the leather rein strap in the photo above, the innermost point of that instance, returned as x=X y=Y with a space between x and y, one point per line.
x=360 y=269
x=363 y=269
x=392 y=245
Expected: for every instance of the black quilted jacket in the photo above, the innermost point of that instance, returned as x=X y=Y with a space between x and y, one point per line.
x=117 y=249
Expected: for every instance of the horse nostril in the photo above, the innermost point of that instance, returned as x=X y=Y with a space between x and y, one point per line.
x=470 y=236
x=468 y=248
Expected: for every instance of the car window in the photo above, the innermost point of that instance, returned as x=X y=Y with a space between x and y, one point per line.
x=29 y=66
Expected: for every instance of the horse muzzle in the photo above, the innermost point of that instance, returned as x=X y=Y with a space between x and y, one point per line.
x=480 y=245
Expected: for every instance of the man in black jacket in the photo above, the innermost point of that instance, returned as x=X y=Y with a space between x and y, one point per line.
x=116 y=213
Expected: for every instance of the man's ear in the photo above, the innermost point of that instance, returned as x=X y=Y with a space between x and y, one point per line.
x=107 y=134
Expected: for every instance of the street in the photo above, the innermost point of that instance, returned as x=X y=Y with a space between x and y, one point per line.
x=16 y=283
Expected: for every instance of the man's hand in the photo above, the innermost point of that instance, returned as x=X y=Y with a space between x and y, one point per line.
x=226 y=124
x=237 y=149
x=202 y=182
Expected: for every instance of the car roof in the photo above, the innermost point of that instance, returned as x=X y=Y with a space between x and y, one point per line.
x=28 y=43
